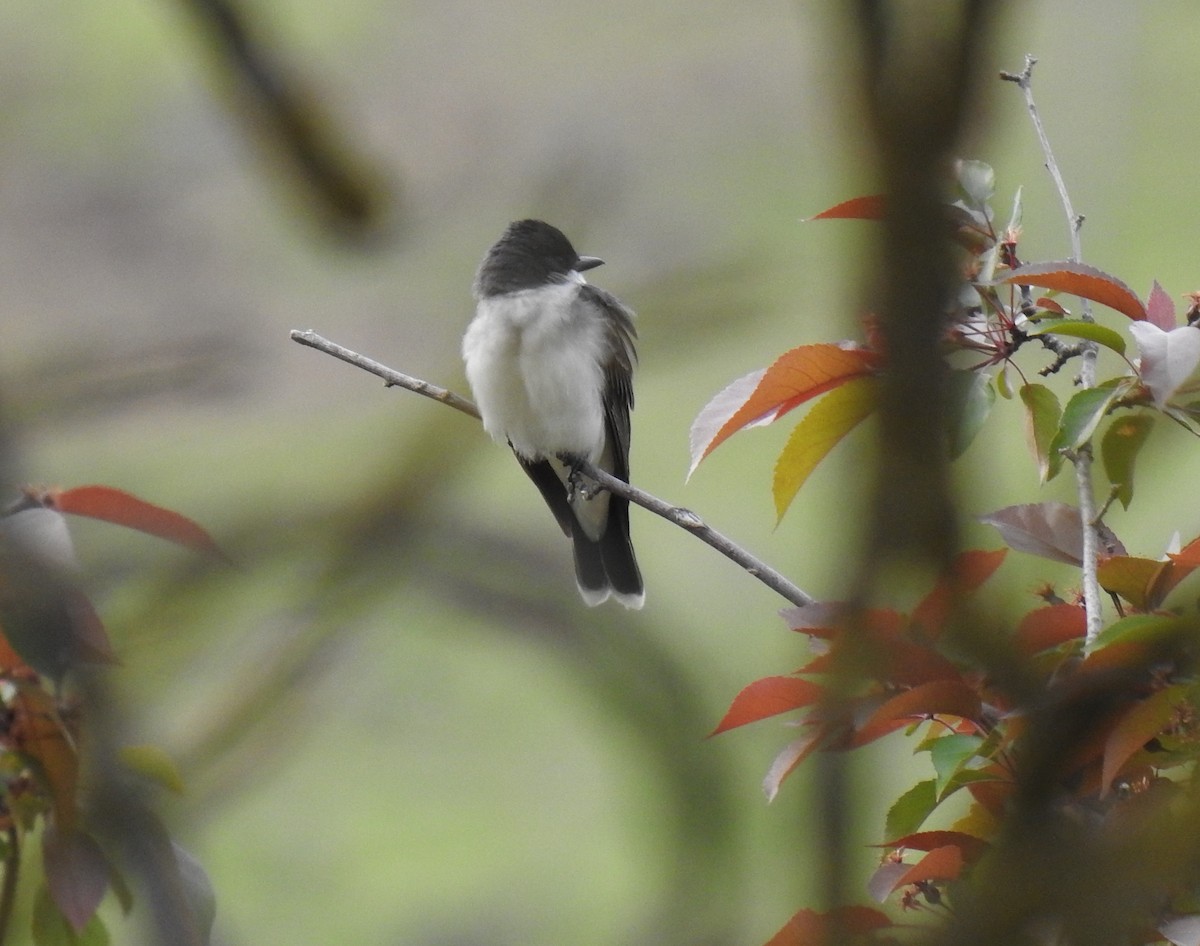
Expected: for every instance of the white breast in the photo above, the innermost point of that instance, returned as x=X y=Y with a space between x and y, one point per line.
x=534 y=362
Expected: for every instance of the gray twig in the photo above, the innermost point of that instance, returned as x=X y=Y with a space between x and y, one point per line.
x=677 y=515
x=1082 y=460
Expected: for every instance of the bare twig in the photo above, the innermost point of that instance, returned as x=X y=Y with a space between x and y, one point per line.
x=677 y=515
x=1087 y=374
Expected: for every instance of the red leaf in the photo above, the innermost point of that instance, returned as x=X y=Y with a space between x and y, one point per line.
x=809 y=928
x=125 y=509
x=769 y=696
x=1137 y=727
x=970 y=845
x=1160 y=308
x=796 y=376
x=1048 y=627
x=873 y=207
x=937 y=698
x=942 y=863
x=39 y=732
x=1081 y=280
x=968 y=571
x=77 y=874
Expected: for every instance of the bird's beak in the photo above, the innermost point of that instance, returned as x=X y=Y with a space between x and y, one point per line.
x=588 y=262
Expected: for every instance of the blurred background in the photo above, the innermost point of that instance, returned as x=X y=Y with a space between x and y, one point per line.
x=396 y=721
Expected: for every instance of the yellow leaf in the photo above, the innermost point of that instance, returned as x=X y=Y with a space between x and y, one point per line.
x=830 y=419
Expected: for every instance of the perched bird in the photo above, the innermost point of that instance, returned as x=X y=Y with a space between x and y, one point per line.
x=550 y=361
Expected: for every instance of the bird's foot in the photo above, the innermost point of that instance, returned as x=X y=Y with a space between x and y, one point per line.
x=579 y=485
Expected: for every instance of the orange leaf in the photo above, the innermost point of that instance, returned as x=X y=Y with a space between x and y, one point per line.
x=1048 y=627
x=872 y=207
x=39 y=733
x=942 y=863
x=970 y=845
x=796 y=376
x=936 y=698
x=1137 y=727
x=769 y=696
x=1143 y=582
x=810 y=928
x=125 y=509
x=968 y=571
x=1081 y=280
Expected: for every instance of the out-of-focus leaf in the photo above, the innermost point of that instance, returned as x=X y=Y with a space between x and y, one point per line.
x=884 y=878
x=1048 y=627
x=1168 y=359
x=1083 y=414
x=197 y=890
x=1042 y=417
x=769 y=696
x=1077 y=328
x=810 y=928
x=153 y=764
x=50 y=927
x=125 y=509
x=1079 y=279
x=1181 y=930
x=977 y=181
x=910 y=810
x=971 y=398
x=1160 y=308
x=77 y=873
x=967 y=572
x=787 y=759
x=1143 y=722
x=1051 y=530
x=716 y=414
x=873 y=207
x=40 y=735
x=829 y=420
x=936 y=698
x=1119 y=448
x=1134 y=633
x=796 y=376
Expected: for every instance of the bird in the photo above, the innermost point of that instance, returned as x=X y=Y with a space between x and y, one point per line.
x=550 y=359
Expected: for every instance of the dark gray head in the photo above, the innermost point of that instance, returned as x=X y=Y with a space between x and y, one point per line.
x=528 y=255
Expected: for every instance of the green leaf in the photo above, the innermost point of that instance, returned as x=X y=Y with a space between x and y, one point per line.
x=1042 y=416
x=1119 y=449
x=950 y=754
x=1083 y=414
x=1139 y=629
x=971 y=400
x=1077 y=328
x=911 y=809
x=829 y=420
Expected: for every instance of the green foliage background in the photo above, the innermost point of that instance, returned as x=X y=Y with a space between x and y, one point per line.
x=396 y=721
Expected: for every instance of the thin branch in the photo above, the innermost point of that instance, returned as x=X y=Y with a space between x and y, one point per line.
x=1087 y=374
x=677 y=515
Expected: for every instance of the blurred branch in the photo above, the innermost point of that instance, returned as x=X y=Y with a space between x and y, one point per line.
x=677 y=515
x=1082 y=458
x=288 y=116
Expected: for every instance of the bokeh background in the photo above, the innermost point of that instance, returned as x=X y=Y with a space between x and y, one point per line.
x=396 y=721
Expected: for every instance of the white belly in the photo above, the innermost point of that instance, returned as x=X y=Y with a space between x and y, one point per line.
x=535 y=368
